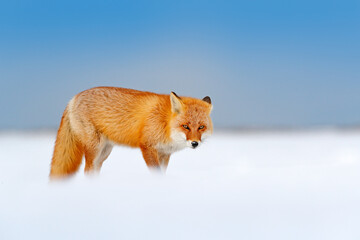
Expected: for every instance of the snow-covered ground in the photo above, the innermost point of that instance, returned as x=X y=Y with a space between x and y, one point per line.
x=300 y=185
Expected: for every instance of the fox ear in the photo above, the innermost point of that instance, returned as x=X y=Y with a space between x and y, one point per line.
x=176 y=103
x=207 y=99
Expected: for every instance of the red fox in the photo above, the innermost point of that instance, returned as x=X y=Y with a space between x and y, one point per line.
x=98 y=118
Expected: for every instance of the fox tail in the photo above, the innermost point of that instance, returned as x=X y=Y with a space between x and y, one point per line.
x=68 y=150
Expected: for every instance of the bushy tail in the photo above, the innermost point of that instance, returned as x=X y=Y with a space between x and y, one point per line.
x=68 y=150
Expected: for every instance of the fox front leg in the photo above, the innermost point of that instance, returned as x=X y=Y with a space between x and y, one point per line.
x=151 y=157
x=164 y=161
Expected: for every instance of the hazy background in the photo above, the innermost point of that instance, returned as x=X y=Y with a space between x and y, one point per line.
x=264 y=63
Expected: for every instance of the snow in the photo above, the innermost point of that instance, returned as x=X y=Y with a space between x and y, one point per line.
x=295 y=185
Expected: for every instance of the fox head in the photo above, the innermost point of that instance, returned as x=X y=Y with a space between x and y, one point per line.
x=191 y=122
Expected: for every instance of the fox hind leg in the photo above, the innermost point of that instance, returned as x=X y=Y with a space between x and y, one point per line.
x=104 y=154
x=96 y=154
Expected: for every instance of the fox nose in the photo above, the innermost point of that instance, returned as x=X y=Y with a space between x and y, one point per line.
x=194 y=144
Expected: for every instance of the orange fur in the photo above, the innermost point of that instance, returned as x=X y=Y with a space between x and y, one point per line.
x=97 y=118
x=67 y=147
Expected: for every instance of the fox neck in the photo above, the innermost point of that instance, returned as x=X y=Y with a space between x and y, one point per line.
x=176 y=143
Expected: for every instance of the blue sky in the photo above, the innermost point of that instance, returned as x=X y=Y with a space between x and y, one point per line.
x=264 y=63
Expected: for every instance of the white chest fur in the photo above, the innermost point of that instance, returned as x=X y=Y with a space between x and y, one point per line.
x=178 y=143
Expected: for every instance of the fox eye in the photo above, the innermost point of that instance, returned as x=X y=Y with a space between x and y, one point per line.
x=186 y=127
x=201 y=127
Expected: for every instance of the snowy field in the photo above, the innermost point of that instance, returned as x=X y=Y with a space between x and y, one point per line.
x=297 y=185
